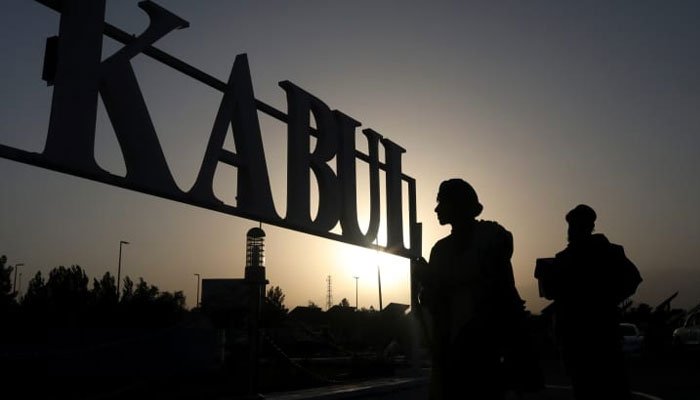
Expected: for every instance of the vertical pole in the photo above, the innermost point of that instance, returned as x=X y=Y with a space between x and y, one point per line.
x=119 y=269
x=119 y=266
x=14 y=283
x=419 y=326
x=379 y=275
x=196 y=299
x=329 y=294
x=255 y=278
x=255 y=281
x=379 y=282
x=356 y=280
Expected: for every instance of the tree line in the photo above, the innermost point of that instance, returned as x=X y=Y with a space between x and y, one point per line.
x=65 y=298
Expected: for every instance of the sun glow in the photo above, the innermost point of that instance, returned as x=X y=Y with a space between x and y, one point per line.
x=371 y=265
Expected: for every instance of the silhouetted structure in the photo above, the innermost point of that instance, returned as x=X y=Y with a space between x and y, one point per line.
x=329 y=293
x=662 y=321
x=587 y=281
x=469 y=291
x=309 y=315
x=255 y=281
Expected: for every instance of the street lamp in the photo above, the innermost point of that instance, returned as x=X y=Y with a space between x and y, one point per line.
x=14 y=283
x=119 y=267
x=255 y=280
x=356 y=280
x=379 y=283
x=196 y=299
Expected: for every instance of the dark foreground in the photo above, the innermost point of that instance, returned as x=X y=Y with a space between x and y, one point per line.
x=99 y=374
x=667 y=377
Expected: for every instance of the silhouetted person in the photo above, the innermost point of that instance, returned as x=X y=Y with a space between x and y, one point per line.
x=587 y=282
x=469 y=291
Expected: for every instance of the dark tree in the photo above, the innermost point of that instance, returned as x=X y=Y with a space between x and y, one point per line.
x=7 y=297
x=104 y=291
x=68 y=295
x=170 y=307
x=36 y=296
x=127 y=290
x=145 y=293
x=174 y=300
x=274 y=312
x=312 y=304
x=103 y=301
x=344 y=303
x=145 y=306
x=275 y=298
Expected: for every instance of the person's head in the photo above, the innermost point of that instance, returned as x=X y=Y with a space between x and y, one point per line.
x=581 y=221
x=457 y=201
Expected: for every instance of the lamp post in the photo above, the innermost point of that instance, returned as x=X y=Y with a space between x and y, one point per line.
x=119 y=266
x=379 y=283
x=256 y=281
x=14 y=283
x=357 y=278
x=196 y=299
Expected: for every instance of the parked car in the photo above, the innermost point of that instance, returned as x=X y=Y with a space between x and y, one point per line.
x=632 y=338
x=689 y=333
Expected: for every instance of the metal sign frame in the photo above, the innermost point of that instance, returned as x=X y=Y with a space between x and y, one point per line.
x=74 y=67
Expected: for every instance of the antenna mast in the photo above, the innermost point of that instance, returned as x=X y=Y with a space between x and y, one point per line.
x=329 y=294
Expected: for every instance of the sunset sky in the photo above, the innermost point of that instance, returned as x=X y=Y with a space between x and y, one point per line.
x=541 y=105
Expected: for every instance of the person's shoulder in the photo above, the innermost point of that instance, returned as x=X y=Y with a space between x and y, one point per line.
x=493 y=233
x=440 y=250
x=487 y=224
x=616 y=251
x=564 y=253
x=491 y=228
x=442 y=242
x=617 y=248
x=602 y=242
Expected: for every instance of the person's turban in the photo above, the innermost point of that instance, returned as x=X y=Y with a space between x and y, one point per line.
x=581 y=215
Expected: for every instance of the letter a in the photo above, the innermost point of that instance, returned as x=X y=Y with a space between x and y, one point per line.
x=238 y=109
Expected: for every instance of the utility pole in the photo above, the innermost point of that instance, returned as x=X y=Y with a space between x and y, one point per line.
x=379 y=281
x=119 y=267
x=379 y=275
x=329 y=294
x=14 y=283
x=196 y=299
x=357 y=278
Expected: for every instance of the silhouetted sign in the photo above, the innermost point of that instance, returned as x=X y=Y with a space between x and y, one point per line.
x=225 y=294
x=74 y=67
